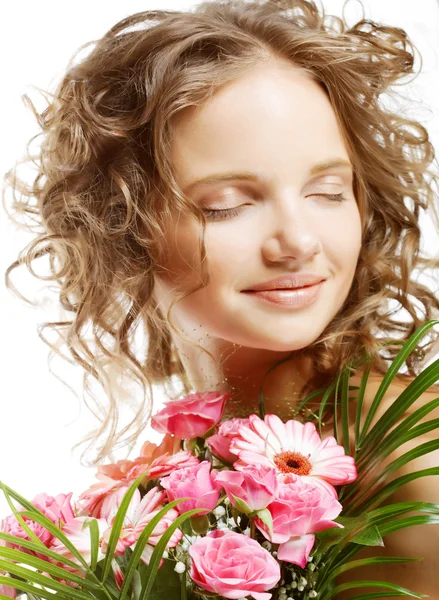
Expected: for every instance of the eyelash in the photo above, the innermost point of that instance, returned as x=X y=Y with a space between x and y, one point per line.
x=233 y=212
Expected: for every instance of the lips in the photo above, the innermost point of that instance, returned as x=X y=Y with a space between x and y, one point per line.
x=283 y=289
x=288 y=281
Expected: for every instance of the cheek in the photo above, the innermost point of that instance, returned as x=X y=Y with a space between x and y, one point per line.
x=181 y=263
x=342 y=238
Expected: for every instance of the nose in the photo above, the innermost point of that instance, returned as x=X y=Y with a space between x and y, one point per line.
x=292 y=237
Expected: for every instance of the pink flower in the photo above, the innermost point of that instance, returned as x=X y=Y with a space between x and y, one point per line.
x=58 y=509
x=233 y=565
x=256 y=486
x=7 y=590
x=300 y=510
x=155 y=461
x=219 y=443
x=139 y=514
x=78 y=533
x=118 y=574
x=196 y=482
x=293 y=448
x=191 y=416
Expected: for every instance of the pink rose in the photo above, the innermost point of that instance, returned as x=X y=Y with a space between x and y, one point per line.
x=256 y=485
x=219 y=443
x=233 y=565
x=58 y=509
x=196 y=482
x=300 y=510
x=192 y=416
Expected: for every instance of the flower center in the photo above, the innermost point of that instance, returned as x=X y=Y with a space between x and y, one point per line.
x=292 y=462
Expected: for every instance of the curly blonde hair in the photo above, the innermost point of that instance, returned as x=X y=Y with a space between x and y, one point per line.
x=106 y=188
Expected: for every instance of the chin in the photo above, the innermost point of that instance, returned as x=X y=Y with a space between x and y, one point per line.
x=284 y=342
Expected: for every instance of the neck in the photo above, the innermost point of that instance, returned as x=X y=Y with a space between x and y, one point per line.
x=241 y=371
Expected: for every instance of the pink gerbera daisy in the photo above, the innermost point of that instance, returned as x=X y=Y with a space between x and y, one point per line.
x=293 y=449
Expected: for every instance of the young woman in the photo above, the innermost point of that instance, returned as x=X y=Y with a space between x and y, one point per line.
x=229 y=181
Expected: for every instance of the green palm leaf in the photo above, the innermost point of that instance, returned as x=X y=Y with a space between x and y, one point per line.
x=372 y=445
x=141 y=543
x=94 y=588
x=397 y=363
x=159 y=549
x=36 y=515
x=382 y=584
x=38 y=548
x=62 y=590
x=43 y=565
x=118 y=523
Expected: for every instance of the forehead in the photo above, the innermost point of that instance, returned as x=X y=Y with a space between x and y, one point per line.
x=273 y=118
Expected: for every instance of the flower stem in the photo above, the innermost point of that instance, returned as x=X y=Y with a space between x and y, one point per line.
x=252 y=529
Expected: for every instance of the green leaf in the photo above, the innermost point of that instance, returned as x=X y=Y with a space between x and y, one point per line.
x=374 y=560
x=408 y=396
x=379 y=595
x=387 y=528
x=30 y=575
x=396 y=364
x=369 y=537
x=36 y=515
x=37 y=548
x=323 y=403
x=160 y=548
x=345 y=411
x=265 y=515
x=359 y=584
x=398 y=508
x=393 y=438
x=420 y=450
x=360 y=401
x=117 y=525
x=167 y=584
x=141 y=543
x=94 y=541
x=393 y=486
x=241 y=505
x=43 y=565
x=22 y=586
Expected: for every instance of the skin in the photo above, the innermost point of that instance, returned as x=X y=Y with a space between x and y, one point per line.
x=277 y=123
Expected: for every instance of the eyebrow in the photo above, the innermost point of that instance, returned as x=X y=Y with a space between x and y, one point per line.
x=247 y=176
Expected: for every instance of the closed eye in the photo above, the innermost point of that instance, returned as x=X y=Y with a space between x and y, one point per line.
x=224 y=213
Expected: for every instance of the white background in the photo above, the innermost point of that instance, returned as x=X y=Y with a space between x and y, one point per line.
x=40 y=417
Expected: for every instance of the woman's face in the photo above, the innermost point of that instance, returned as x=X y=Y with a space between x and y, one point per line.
x=276 y=125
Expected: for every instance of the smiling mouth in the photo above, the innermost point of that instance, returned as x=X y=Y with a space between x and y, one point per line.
x=302 y=287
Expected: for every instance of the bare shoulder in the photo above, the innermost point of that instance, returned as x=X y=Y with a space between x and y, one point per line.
x=396 y=387
x=420 y=541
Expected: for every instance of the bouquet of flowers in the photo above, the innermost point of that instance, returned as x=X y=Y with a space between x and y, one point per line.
x=245 y=508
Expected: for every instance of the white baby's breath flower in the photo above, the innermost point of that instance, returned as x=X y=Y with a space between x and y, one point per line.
x=180 y=567
x=219 y=511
